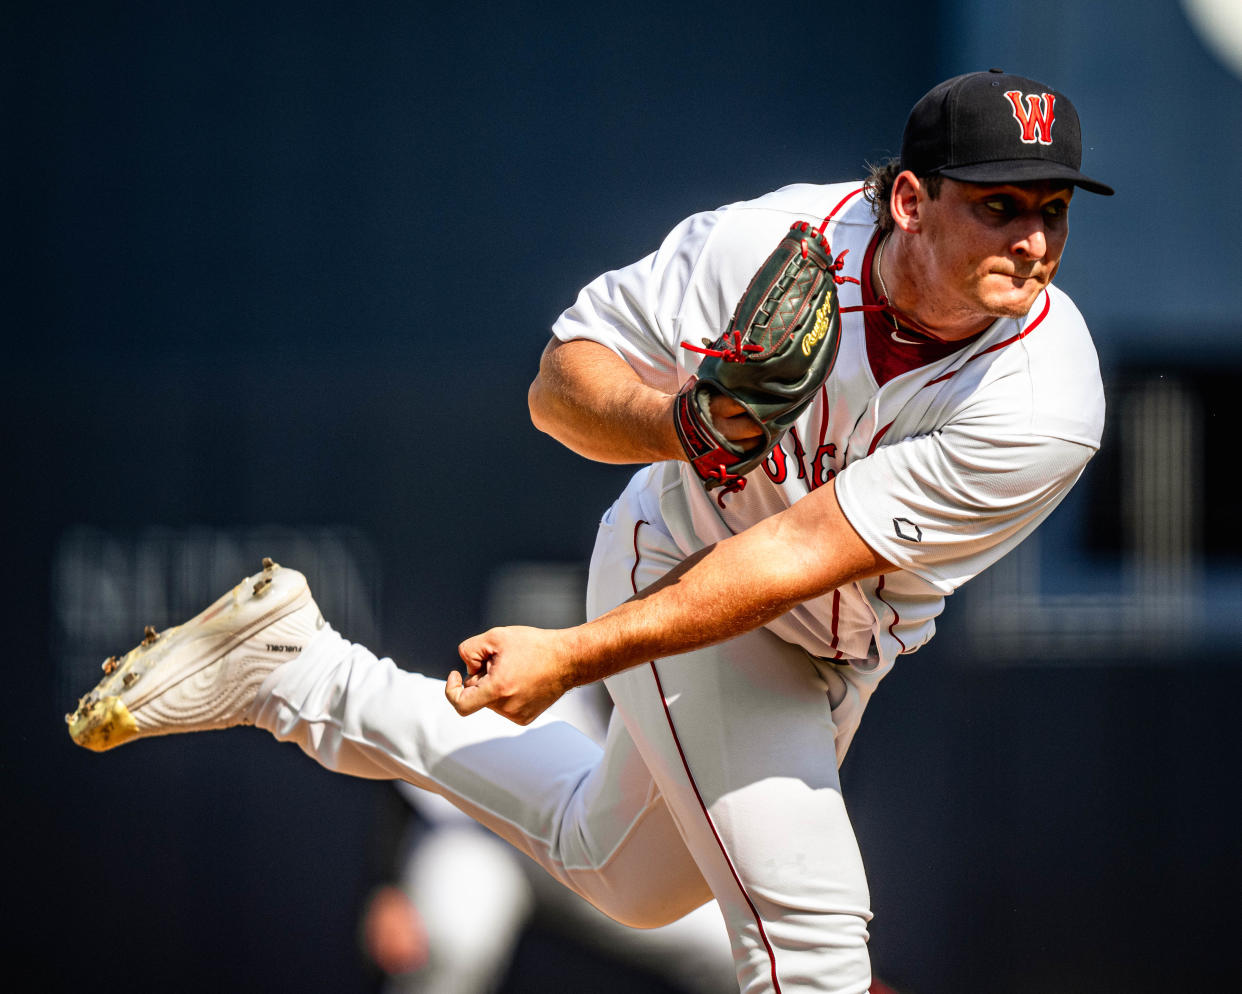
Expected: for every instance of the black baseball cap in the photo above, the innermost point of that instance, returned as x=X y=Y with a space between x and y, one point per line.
x=993 y=127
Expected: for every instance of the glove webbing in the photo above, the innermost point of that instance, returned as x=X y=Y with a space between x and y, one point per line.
x=710 y=460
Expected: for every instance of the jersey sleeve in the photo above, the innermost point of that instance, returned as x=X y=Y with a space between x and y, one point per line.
x=946 y=505
x=636 y=311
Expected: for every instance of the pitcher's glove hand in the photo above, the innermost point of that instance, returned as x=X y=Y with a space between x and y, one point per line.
x=772 y=359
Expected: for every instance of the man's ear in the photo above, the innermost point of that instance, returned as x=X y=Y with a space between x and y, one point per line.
x=905 y=201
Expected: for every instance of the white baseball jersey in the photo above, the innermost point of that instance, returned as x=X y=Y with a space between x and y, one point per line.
x=712 y=781
x=944 y=457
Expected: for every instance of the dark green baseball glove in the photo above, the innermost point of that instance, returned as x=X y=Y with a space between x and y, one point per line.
x=772 y=359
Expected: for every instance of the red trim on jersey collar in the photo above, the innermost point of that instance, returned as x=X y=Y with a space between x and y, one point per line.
x=1008 y=341
x=890 y=356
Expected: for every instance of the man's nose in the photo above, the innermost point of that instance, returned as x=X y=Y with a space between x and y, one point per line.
x=1033 y=244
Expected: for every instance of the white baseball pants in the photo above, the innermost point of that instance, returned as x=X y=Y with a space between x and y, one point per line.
x=718 y=778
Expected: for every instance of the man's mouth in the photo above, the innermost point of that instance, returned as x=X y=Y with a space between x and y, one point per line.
x=1021 y=277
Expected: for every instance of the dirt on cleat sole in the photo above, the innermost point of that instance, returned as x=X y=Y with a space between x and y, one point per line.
x=100 y=725
x=183 y=678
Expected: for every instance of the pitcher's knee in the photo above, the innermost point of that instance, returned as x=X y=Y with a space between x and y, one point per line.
x=655 y=915
x=646 y=903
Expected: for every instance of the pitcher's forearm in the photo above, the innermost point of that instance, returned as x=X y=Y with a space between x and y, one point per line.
x=729 y=588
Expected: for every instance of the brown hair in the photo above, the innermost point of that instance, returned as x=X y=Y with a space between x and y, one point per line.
x=879 y=190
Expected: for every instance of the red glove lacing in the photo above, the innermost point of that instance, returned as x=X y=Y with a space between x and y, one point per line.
x=734 y=351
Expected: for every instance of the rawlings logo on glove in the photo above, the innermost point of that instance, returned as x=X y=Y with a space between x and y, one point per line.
x=772 y=359
x=825 y=314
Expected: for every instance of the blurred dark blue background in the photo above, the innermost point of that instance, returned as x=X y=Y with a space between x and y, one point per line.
x=290 y=266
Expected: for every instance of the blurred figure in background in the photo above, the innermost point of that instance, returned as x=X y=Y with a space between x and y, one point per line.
x=451 y=921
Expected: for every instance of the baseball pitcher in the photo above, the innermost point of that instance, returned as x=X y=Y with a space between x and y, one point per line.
x=846 y=401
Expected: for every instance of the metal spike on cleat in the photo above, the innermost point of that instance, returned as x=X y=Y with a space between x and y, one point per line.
x=265 y=581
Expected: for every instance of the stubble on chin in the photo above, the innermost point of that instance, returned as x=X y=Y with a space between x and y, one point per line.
x=1013 y=297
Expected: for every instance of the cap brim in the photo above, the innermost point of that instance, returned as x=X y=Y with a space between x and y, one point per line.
x=1024 y=171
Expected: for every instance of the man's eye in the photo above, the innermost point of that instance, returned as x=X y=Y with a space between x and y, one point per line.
x=997 y=205
x=1054 y=209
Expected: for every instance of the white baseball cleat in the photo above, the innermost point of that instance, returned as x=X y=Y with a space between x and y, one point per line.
x=206 y=673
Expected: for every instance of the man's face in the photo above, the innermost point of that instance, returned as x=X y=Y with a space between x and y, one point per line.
x=991 y=250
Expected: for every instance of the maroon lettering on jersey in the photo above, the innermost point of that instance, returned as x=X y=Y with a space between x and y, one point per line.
x=1036 y=117
x=799 y=453
x=821 y=472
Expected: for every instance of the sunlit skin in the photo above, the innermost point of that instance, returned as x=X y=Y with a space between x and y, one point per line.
x=958 y=262
x=974 y=253
x=953 y=264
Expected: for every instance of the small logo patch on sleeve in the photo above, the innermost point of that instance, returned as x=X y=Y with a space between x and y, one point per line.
x=907 y=530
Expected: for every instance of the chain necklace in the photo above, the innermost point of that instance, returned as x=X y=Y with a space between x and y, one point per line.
x=879 y=274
